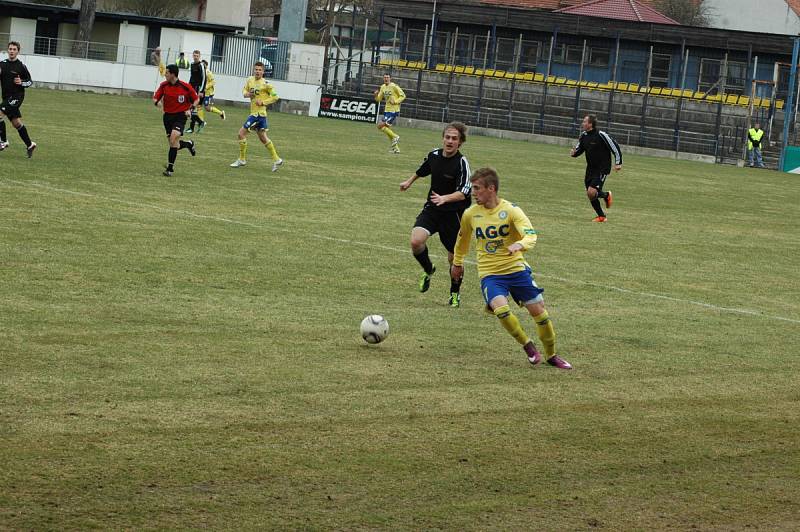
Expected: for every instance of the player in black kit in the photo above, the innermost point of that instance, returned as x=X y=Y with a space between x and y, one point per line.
x=15 y=78
x=448 y=197
x=197 y=79
x=599 y=147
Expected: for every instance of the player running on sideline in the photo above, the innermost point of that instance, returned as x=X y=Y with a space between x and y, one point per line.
x=14 y=78
x=502 y=232
x=178 y=100
x=394 y=96
x=599 y=147
x=261 y=95
x=448 y=196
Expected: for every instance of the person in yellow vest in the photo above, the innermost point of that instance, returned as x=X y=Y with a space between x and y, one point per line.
x=182 y=61
x=755 y=135
x=393 y=96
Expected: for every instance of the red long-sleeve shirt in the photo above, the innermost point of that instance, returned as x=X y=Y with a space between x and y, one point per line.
x=177 y=98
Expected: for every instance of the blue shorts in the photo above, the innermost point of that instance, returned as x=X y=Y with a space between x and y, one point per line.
x=256 y=122
x=208 y=100
x=389 y=118
x=521 y=286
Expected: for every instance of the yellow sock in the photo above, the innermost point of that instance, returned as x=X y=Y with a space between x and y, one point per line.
x=216 y=110
x=243 y=150
x=547 y=334
x=389 y=133
x=272 y=151
x=510 y=323
x=201 y=114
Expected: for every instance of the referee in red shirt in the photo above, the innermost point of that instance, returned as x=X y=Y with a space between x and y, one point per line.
x=179 y=98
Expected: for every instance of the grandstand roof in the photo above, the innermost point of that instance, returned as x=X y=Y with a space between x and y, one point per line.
x=620 y=10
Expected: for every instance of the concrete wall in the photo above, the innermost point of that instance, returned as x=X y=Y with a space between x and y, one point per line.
x=102 y=76
x=765 y=16
x=22 y=30
x=132 y=44
x=231 y=12
x=305 y=63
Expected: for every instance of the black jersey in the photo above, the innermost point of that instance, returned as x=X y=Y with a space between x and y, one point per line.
x=599 y=148
x=197 y=79
x=448 y=175
x=10 y=70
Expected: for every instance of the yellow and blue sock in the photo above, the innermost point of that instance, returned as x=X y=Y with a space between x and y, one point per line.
x=243 y=150
x=510 y=323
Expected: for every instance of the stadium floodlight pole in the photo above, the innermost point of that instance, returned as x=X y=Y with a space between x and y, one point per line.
x=553 y=39
x=613 y=85
x=578 y=87
x=680 y=103
x=394 y=40
x=718 y=127
x=790 y=103
x=349 y=72
x=643 y=125
x=518 y=52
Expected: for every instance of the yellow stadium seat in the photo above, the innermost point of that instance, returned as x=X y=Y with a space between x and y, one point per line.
x=469 y=71
x=458 y=69
x=488 y=72
x=731 y=99
x=519 y=76
x=440 y=67
x=622 y=86
x=743 y=100
x=528 y=76
x=551 y=79
x=633 y=87
x=779 y=104
x=572 y=82
x=655 y=91
x=479 y=72
x=510 y=75
x=538 y=77
x=401 y=63
x=386 y=62
x=499 y=73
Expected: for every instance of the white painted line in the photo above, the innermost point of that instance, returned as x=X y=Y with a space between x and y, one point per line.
x=190 y=214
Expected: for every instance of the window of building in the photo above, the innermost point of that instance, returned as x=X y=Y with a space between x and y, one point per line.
x=599 y=57
x=558 y=53
x=574 y=54
x=660 y=70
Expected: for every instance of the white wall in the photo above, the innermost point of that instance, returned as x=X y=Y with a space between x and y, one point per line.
x=197 y=40
x=764 y=16
x=230 y=12
x=23 y=30
x=305 y=63
x=132 y=42
x=103 y=76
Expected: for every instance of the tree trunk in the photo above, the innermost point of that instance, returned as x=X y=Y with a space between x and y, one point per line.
x=80 y=48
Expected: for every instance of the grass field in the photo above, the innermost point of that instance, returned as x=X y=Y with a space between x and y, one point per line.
x=184 y=352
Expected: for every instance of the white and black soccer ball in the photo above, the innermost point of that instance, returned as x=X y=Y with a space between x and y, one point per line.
x=374 y=329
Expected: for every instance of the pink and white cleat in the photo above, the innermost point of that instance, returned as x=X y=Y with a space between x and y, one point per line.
x=533 y=354
x=559 y=362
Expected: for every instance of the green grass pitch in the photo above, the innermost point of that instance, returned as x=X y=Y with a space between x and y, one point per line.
x=184 y=352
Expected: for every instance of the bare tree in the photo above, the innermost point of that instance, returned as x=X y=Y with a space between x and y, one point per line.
x=80 y=48
x=155 y=8
x=687 y=12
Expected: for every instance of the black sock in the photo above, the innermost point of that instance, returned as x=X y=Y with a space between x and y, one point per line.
x=23 y=134
x=184 y=144
x=602 y=194
x=597 y=208
x=2 y=130
x=173 y=154
x=424 y=260
x=455 y=285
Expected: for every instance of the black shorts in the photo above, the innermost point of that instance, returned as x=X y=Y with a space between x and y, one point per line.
x=174 y=122
x=10 y=107
x=595 y=180
x=446 y=223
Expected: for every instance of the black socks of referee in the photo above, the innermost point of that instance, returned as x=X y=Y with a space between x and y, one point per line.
x=173 y=154
x=184 y=144
x=424 y=260
x=2 y=130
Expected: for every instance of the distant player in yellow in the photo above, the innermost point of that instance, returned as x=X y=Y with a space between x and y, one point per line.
x=261 y=95
x=208 y=100
x=393 y=96
x=502 y=232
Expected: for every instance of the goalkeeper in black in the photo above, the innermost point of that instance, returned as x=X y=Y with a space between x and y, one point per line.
x=599 y=148
x=197 y=79
x=14 y=79
x=448 y=197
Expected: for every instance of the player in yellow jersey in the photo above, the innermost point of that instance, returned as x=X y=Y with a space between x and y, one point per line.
x=208 y=100
x=502 y=232
x=393 y=96
x=261 y=95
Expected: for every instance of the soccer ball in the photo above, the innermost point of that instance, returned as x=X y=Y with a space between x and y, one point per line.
x=374 y=329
